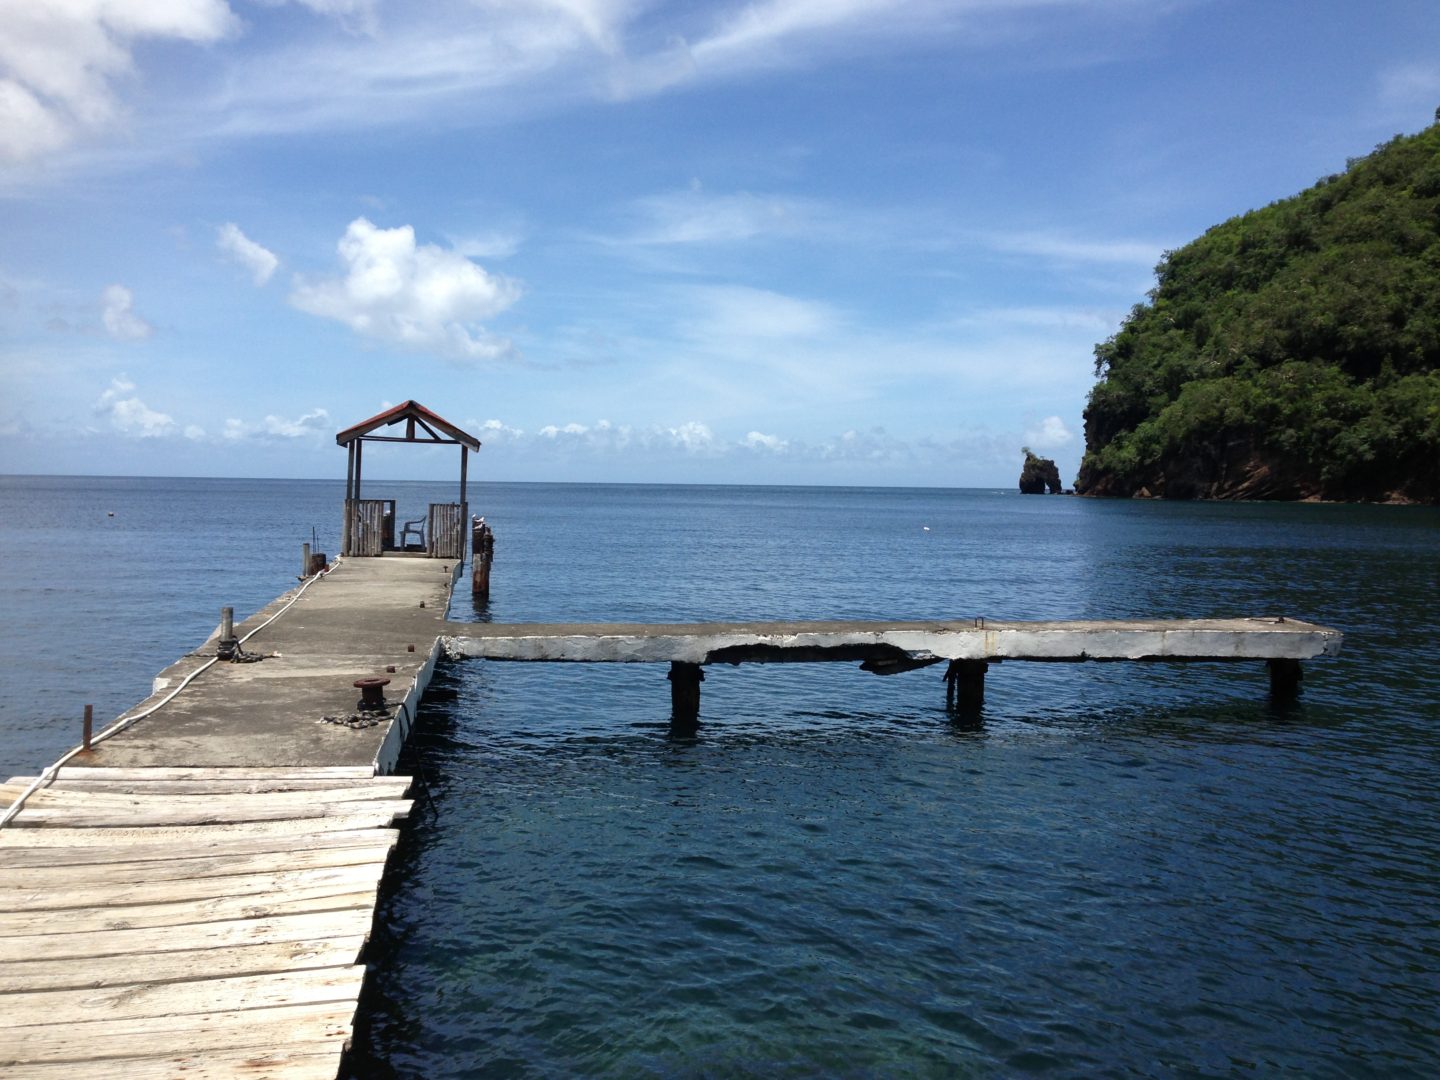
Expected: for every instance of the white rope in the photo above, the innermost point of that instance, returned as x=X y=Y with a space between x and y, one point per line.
x=46 y=778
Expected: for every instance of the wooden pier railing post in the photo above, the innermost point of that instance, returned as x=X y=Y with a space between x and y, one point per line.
x=482 y=554
x=685 y=680
x=89 y=727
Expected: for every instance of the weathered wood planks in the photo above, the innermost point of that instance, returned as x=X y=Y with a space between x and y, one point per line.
x=196 y=922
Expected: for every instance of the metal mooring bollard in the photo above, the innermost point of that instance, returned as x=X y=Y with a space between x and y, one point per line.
x=372 y=693
x=228 y=643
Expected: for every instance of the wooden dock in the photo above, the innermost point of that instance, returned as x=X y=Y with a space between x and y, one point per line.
x=192 y=896
x=169 y=922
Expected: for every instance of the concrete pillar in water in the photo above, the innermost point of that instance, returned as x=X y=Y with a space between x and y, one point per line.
x=1285 y=677
x=685 y=680
x=965 y=686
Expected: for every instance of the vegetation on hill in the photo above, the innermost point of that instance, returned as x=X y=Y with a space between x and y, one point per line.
x=1292 y=352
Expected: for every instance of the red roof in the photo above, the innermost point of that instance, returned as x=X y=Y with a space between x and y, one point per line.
x=433 y=423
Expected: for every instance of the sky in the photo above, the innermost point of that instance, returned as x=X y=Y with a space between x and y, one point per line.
x=772 y=242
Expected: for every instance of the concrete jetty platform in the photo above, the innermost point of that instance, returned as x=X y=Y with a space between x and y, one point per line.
x=362 y=619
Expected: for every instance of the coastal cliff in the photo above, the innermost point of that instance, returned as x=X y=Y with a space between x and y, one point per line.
x=1289 y=353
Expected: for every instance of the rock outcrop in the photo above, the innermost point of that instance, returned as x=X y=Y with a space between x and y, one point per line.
x=1038 y=474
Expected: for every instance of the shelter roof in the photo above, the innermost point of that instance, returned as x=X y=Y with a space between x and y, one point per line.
x=416 y=415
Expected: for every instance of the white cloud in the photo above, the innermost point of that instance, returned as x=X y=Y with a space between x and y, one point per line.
x=495 y=244
x=756 y=440
x=1050 y=434
x=309 y=424
x=493 y=432
x=118 y=315
x=419 y=296
x=1064 y=247
x=1410 y=86
x=241 y=249
x=694 y=216
x=128 y=414
x=735 y=311
x=315 y=422
x=358 y=15
x=60 y=59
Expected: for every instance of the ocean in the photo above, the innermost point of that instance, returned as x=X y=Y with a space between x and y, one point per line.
x=1122 y=870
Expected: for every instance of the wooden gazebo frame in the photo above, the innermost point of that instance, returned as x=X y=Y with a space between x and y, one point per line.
x=367 y=531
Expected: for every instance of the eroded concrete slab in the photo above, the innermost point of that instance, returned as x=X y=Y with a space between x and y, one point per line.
x=800 y=642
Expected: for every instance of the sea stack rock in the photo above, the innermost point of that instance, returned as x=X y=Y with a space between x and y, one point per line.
x=1038 y=474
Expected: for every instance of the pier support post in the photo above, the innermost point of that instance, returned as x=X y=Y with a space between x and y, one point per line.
x=965 y=686
x=482 y=554
x=685 y=680
x=89 y=727
x=1285 y=678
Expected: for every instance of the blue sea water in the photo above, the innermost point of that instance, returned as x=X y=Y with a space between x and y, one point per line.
x=1122 y=870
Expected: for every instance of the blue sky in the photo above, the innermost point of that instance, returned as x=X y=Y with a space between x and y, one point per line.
x=784 y=241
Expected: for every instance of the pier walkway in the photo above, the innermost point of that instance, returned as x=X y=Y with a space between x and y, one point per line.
x=192 y=895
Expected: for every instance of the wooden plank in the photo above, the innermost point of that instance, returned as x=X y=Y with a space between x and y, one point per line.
x=242 y=810
x=114 y=896
x=184 y=913
x=63 y=942
x=190 y=869
x=181 y=964
x=395 y=785
x=57 y=796
x=137 y=1001
x=79 y=835
x=40 y=852
x=298 y=772
x=85 y=1040
x=308 y=1061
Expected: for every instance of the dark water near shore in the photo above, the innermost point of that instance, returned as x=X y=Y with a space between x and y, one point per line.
x=1125 y=870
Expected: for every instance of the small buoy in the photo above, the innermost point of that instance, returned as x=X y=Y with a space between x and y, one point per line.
x=925 y=527
x=110 y=514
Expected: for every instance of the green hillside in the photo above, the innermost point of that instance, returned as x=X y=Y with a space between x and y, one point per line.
x=1292 y=352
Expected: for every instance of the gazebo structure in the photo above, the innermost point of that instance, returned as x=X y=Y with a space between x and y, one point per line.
x=369 y=527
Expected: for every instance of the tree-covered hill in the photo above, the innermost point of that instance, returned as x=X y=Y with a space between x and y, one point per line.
x=1292 y=352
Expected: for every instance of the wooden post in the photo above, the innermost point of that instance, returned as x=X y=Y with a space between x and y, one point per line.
x=349 y=500
x=685 y=680
x=1285 y=678
x=482 y=554
x=464 y=463
x=89 y=725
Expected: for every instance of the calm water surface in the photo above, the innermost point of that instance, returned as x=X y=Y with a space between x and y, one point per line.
x=1124 y=870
